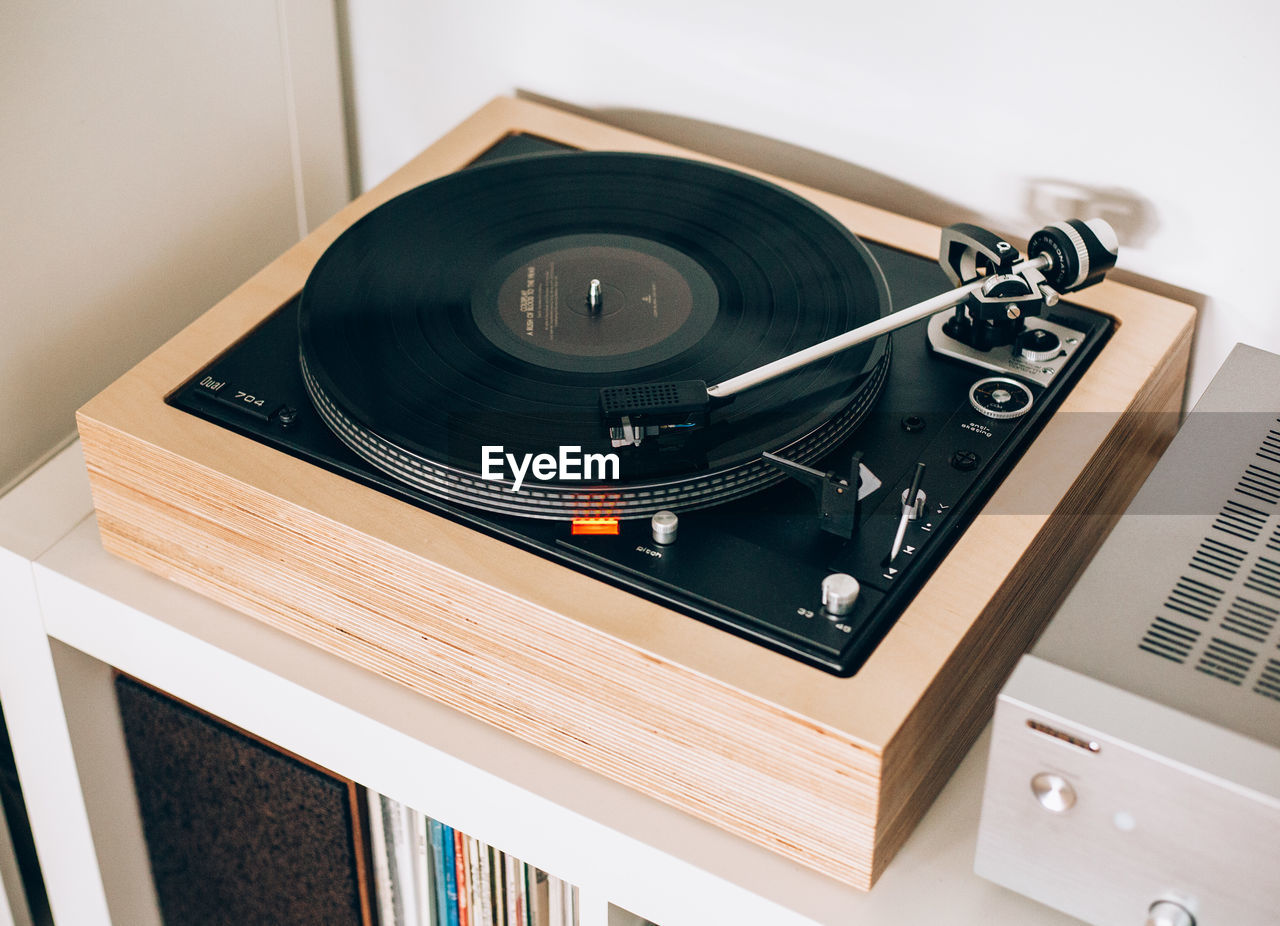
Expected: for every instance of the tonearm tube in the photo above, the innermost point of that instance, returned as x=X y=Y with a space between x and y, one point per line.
x=995 y=291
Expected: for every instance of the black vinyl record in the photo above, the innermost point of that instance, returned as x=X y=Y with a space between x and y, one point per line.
x=455 y=317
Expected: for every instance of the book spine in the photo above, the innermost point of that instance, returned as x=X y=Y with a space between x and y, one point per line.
x=511 y=866
x=486 y=887
x=499 y=887
x=522 y=893
x=460 y=875
x=436 y=829
x=392 y=828
x=555 y=905
x=422 y=870
x=450 y=876
x=540 y=914
x=474 y=884
x=378 y=848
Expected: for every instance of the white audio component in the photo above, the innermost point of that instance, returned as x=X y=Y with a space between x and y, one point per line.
x=1135 y=763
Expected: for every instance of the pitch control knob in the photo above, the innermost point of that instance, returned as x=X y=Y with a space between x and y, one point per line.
x=1000 y=397
x=664 y=526
x=839 y=593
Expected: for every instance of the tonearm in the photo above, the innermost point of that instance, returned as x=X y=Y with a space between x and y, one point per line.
x=995 y=291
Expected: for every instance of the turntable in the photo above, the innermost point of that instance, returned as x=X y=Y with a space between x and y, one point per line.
x=651 y=462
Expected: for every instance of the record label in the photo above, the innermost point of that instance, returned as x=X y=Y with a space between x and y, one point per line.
x=654 y=303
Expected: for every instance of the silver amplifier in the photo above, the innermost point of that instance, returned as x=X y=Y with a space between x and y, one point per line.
x=1134 y=774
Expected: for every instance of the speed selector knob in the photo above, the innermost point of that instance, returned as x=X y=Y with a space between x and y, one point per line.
x=839 y=593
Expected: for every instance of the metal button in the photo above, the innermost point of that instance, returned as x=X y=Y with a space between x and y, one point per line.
x=1054 y=792
x=839 y=593
x=664 y=525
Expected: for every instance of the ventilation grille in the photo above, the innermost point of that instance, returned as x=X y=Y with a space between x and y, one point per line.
x=1241 y=521
x=1222 y=614
x=1169 y=639
x=1194 y=599
x=1251 y=620
x=1218 y=559
x=1260 y=483
x=1269 y=681
x=1226 y=661
x=1270 y=449
x=1265 y=577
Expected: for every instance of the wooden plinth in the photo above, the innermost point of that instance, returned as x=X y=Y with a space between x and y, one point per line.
x=830 y=772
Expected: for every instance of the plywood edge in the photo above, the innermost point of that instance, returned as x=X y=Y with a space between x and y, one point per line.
x=655 y=726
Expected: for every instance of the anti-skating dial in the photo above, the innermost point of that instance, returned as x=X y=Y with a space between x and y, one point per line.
x=1000 y=397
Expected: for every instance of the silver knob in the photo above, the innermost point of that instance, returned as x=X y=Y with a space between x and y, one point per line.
x=1169 y=913
x=1037 y=345
x=1054 y=792
x=839 y=592
x=664 y=526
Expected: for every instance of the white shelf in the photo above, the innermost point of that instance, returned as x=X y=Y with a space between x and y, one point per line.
x=617 y=845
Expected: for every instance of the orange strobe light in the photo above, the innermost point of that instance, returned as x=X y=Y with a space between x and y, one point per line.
x=595 y=526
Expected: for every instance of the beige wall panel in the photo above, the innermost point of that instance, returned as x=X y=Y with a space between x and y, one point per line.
x=148 y=165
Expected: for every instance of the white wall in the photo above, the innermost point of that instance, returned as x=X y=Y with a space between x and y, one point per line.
x=153 y=155
x=1162 y=116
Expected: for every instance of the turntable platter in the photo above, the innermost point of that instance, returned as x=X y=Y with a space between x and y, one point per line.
x=461 y=315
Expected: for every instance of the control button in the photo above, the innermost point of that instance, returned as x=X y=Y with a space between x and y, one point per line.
x=1036 y=345
x=965 y=460
x=912 y=424
x=912 y=508
x=1000 y=397
x=664 y=525
x=1169 y=913
x=1054 y=792
x=839 y=592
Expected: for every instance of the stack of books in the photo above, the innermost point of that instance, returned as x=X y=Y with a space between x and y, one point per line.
x=429 y=874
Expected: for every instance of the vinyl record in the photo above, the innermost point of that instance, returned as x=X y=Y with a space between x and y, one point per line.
x=457 y=317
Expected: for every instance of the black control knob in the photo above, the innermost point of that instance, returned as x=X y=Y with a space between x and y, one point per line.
x=1037 y=345
x=1080 y=252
